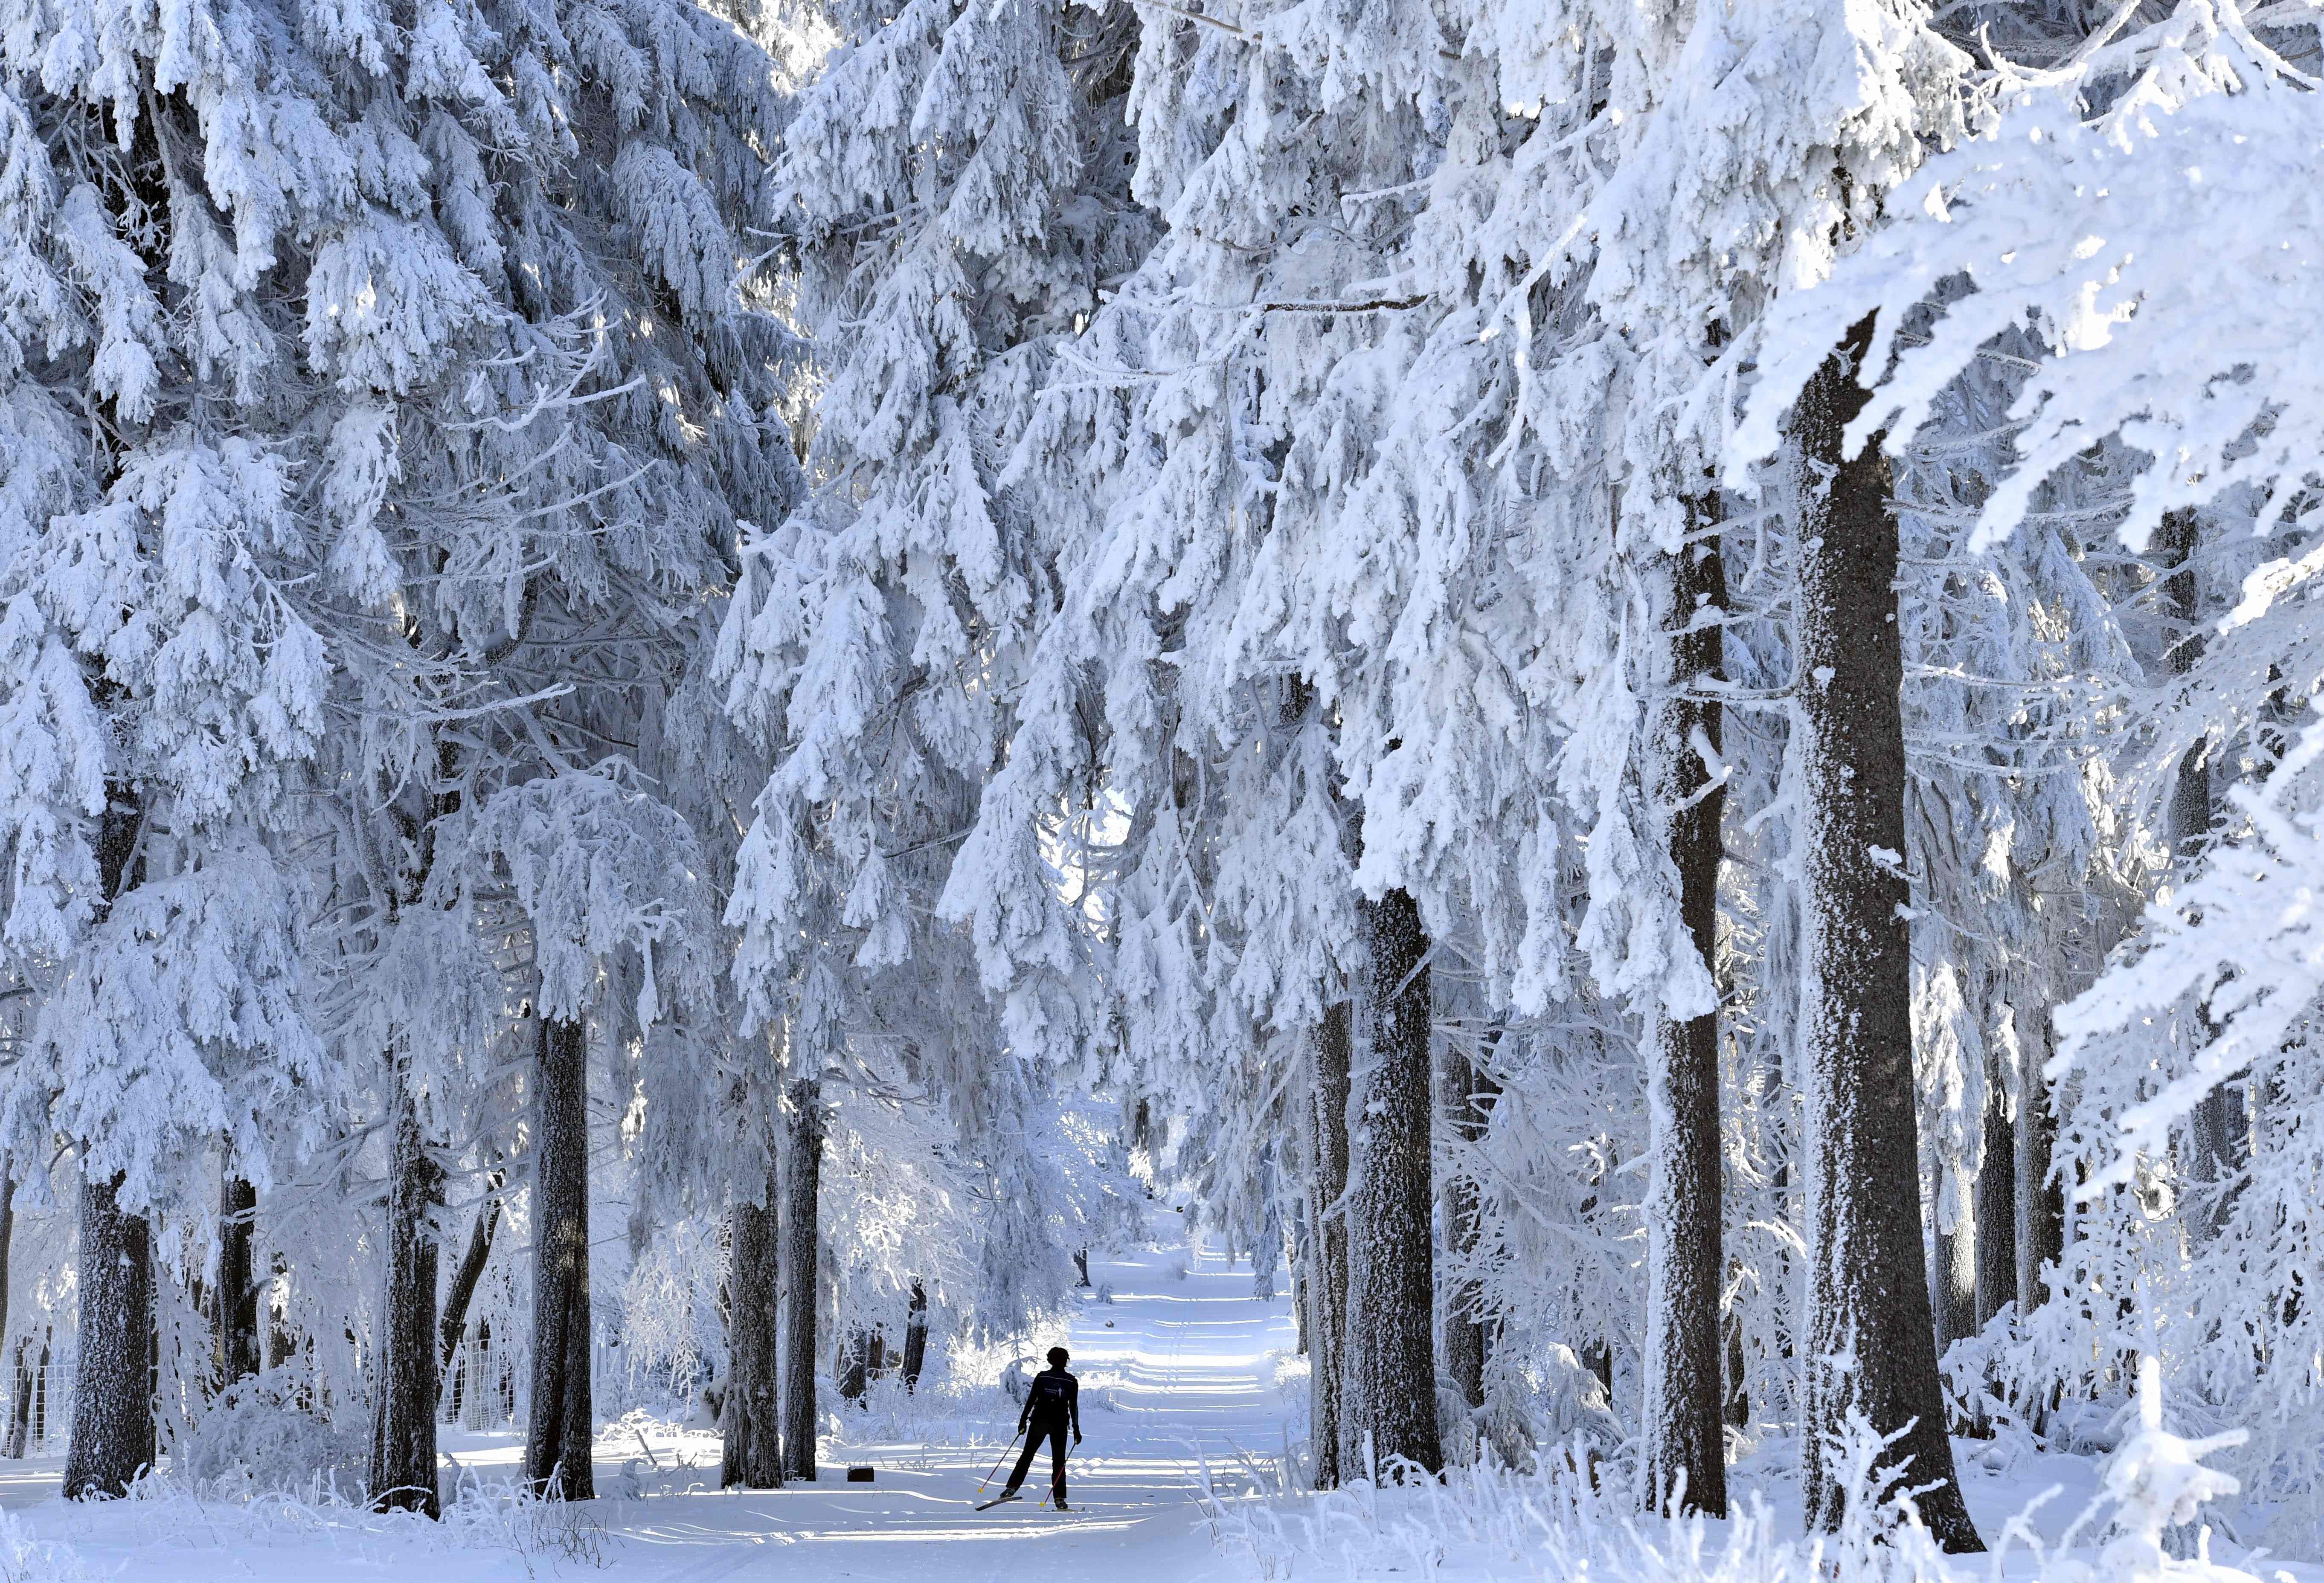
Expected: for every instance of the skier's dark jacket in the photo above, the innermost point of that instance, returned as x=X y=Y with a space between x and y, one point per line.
x=1052 y=1397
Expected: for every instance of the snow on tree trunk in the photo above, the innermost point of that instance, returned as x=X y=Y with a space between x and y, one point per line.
x=2216 y=1121
x=113 y=1414
x=1871 y=1340
x=1388 y=1386
x=915 y=1338
x=112 y=1410
x=1996 y=1198
x=753 y=1456
x=1685 y=1442
x=560 y=1427
x=1327 y=1282
x=1952 y=1283
x=2041 y=1202
x=234 y=1306
x=7 y=1232
x=463 y=1290
x=1462 y=1086
x=20 y=1414
x=404 y=1390
x=802 y=1185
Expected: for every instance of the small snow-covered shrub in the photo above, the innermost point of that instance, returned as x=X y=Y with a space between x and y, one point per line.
x=504 y=1514
x=1571 y=1518
x=267 y=1433
x=26 y=1560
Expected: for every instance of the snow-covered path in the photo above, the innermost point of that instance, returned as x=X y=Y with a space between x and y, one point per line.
x=1191 y=1359
x=1194 y=1357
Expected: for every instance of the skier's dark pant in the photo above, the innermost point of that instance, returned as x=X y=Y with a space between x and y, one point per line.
x=1055 y=1433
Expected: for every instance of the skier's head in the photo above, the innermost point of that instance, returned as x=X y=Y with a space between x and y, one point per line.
x=1057 y=1357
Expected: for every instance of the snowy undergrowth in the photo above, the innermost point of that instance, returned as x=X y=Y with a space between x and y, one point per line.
x=26 y=1560
x=950 y=1415
x=163 y=1511
x=1560 y=1523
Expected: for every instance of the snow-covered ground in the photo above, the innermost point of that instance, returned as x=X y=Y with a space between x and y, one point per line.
x=1190 y=1363
x=1179 y=1373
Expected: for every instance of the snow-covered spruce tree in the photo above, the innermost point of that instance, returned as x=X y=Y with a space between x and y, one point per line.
x=603 y=873
x=1871 y=1336
x=161 y=688
x=2158 y=119
x=954 y=188
x=340 y=320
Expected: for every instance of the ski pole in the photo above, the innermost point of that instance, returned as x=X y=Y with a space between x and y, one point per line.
x=998 y=1460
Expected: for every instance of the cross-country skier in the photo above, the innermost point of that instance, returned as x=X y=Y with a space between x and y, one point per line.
x=1053 y=1405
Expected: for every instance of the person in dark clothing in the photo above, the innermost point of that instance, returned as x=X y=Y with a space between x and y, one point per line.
x=1053 y=1405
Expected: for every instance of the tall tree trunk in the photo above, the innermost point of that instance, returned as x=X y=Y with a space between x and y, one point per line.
x=20 y=1411
x=234 y=1306
x=1953 y=1283
x=1388 y=1386
x=2041 y=1202
x=113 y=1410
x=282 y=1339
x=2216 y=1125
x=754 y=1448
x=113 y=1391
x=915 y=1339
x=1329 y=1051
x=1462 y=1086
x=463 y=1290
x=403 y=1407
x=1686 y=1441
x=7 y=1231
x=1996 y=1199
x=802 y=1183
x=1871 y=1336
x=560 y=1424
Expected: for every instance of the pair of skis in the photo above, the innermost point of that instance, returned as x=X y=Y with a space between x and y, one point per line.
x=1006 y=1494
x=1013 y=1496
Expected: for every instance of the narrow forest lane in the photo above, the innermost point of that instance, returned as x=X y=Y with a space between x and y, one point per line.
x=1177 y=1372
x=1192 y=1357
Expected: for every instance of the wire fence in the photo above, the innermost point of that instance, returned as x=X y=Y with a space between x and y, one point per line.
x=485 y=1389
x=39 y=1408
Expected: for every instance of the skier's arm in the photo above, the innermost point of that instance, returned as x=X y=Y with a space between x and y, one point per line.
x=1074 y=1402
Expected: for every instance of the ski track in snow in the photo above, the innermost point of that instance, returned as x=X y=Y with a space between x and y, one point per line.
x=1193 y=1358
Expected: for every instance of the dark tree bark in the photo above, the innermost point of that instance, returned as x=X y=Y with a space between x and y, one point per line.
x=462 y=1290
x=2041 y=1202
x=1685 y=1440
x=2217 y=1124
x=19 y=1414
x=802 y=1190
x=113 y=1391
x=1952 y=1283
x=1466 y=1092
x=1996 y=1200
x=752 y=1415
x=403 y=1408
x=282 y=1339
x=1871 y=1336
x=854 y=1365
x=113 y=1412
x=915 y=1339
x=234 y=1305
x=7 y=1230
x=561 y=1424
x=1388 y=1388
x=1327 y=1284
